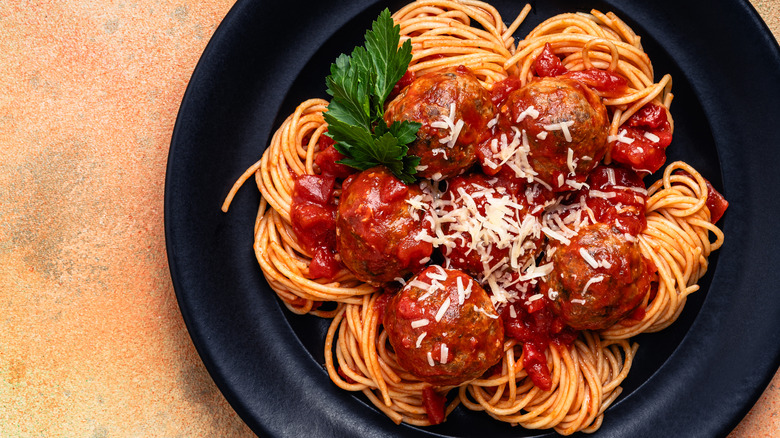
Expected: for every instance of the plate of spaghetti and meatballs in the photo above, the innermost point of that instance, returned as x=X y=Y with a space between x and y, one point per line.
x=474 y=218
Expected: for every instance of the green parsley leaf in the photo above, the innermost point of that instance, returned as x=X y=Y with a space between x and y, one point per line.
x=350 y=103
x=406 y=132
x=359 y=85
x=390 y=62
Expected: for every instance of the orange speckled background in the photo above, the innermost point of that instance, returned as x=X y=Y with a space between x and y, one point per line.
x=92 y=343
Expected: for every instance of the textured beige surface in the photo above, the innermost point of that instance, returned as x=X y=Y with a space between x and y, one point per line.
x=92 y=343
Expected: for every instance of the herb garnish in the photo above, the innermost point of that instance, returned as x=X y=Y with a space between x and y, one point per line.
x=360 y=84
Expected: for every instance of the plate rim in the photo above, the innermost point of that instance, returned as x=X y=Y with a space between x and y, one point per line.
x=191 y=98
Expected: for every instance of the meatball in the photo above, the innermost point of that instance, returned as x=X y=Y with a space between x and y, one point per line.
x=489 y=223
x=454 y=110
x=377 y=229
x=443 y=327
x=564 y=124
x=598 y=279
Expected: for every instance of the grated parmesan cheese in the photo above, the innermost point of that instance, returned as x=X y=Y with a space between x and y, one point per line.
x=621 y=137
x=418 y=284
x=589 y=258
x=419 y=323
x=434 y=287
x=530 y=111
x=442 y=310
x=600 y=194
x=570 y=162
x=555 y=235
x=441 y=276
x=611 y=176
x=533 y=298
x=439 y=151
x=595 y=279
x=444 y=353
x=563 y=127
x=461 y=291
x=485 y=312
x=640 y=190
x=482 y=221
x=452 y=126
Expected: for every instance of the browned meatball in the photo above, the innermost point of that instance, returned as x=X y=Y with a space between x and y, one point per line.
x=598 y=279
x=446 y=142
x=565 y=125
x=377 y=230
x=444 y=328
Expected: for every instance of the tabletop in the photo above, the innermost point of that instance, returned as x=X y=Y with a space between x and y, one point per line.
x=92 y=343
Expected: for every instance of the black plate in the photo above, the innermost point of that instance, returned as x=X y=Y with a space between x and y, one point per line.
x=697 y=378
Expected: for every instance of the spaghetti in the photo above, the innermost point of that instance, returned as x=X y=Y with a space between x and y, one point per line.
x=585 y=372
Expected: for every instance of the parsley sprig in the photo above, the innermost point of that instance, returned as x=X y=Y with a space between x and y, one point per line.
x=359 y=84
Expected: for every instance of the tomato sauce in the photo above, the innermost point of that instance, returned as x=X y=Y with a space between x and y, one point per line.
x=402 y=83
x=313 y=217
x=716 y=202
x=605 y=82
x=639 y=313
x=501 y=89
x=621 y=198
x=380 y=305
x=535 y=325
x=344 y=376
x=646 y=134
x=327 y=159
x=433 y=403
x=547 y=64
